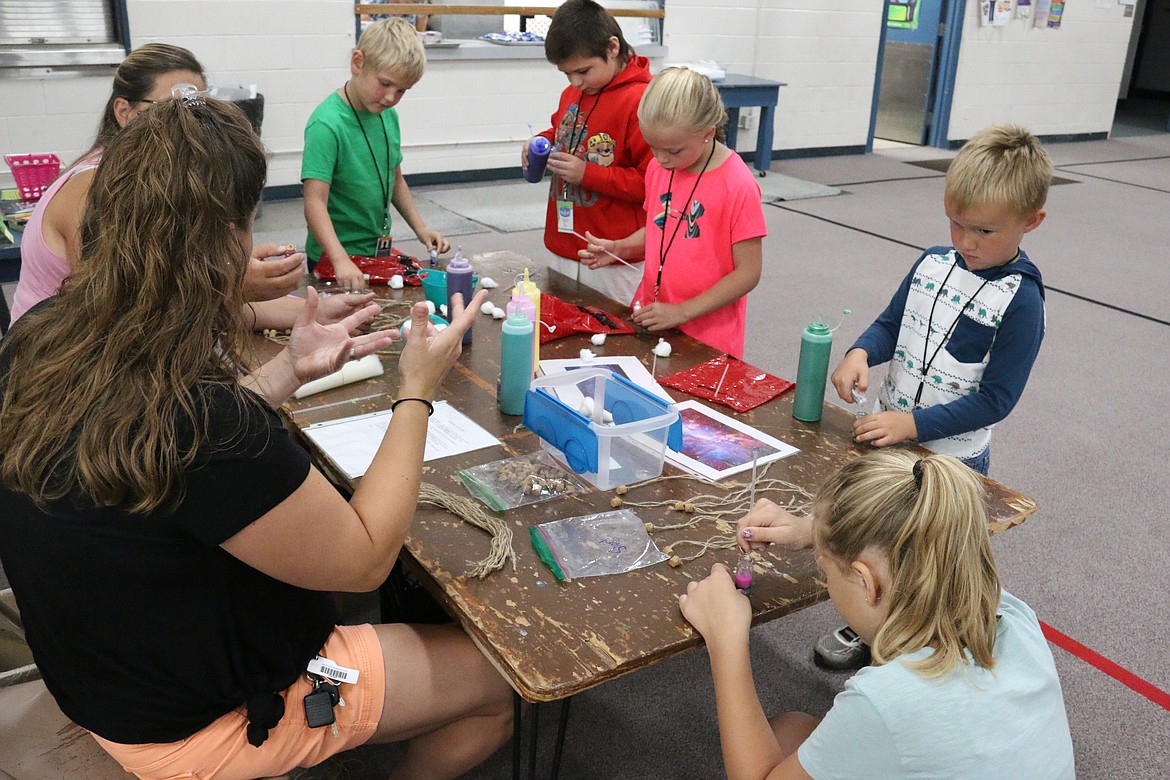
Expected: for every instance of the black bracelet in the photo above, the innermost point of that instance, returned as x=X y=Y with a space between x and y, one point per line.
x=430 y=406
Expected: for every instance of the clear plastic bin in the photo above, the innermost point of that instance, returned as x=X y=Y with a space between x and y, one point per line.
x=629 y=449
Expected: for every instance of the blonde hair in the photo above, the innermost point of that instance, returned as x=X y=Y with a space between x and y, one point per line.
x=943 y=591
x=102 y=404
x=1003 y=165
x=683 y=99
x=394 y=44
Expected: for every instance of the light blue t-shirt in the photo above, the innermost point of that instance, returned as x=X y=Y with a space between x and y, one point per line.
x=892 y=722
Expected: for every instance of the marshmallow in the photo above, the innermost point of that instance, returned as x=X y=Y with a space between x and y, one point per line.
x=396 y=282
x=598 y=339
x=662 y=348
x=587 y=356
x=488 y=283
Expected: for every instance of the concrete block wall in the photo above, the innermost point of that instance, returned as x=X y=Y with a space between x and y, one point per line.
x=473 y=115
x=825 y=50
x=1054 y=82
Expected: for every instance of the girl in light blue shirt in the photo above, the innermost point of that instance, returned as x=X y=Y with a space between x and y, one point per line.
x=962 y=684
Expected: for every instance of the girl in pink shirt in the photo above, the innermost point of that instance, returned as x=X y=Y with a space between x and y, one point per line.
x=703 y=240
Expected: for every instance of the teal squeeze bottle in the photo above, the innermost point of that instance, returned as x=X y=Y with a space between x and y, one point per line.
x=515 y=363
x=815 y=344
x=459 y=281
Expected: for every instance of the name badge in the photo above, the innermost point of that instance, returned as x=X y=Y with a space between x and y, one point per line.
x=382 y=248
x=564 y=216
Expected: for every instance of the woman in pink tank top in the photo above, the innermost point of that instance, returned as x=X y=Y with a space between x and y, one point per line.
x=52 y=238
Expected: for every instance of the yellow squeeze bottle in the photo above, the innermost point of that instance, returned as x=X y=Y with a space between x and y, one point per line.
x=527 y=288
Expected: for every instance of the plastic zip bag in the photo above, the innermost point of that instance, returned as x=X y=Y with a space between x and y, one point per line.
x=592 y=545
x=525 y=479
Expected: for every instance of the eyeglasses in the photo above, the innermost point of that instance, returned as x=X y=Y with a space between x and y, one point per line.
x=188 y=93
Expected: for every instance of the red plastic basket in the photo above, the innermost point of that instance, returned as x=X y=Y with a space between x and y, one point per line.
x=33 y=172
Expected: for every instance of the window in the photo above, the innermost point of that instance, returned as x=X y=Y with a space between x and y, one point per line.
x=43 y=37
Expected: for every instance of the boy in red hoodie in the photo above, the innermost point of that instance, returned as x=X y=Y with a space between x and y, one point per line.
x=599 y=158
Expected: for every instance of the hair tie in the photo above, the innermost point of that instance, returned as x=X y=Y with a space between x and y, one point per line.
x=189 y=95
x=917 y=471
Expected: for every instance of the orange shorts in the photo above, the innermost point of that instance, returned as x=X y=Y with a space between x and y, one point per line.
x=221 y=750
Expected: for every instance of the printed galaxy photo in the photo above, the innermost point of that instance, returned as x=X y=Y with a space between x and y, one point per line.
x=716 y=446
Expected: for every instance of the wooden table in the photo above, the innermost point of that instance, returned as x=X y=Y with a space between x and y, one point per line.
x=553 y=639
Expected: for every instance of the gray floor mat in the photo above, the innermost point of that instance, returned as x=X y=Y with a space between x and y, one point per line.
x=508 y=208
x=777 y=187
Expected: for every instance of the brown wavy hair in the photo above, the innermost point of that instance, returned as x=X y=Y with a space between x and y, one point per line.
x=134 y=79
x=944 y=590
x=102 y=399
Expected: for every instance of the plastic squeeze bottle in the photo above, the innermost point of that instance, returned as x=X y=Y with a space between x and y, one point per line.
x=538 y=150
x=515 y=363
x=527 y=288
x=815 y=344
x=459 y=281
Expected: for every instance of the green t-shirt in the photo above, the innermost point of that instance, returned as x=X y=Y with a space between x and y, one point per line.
x=337 y=154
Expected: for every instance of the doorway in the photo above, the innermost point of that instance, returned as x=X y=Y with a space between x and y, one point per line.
x=1145 y=103
x=916 y=68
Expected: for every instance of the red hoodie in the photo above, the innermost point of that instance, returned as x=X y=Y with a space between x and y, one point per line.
x=603 y=130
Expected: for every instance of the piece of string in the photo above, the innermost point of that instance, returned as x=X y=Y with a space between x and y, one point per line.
x=719 y=510
x=470 y=511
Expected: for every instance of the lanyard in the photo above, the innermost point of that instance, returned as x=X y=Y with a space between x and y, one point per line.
x=574 y=140
x=383 y=185
x=663 y=246
x=926 y=364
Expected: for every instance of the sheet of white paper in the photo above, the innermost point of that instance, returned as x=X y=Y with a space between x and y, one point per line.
x=716 y=445
x=624 y=365
x=352 y=442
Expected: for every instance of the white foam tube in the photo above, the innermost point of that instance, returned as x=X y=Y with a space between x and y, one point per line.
x=353 y=371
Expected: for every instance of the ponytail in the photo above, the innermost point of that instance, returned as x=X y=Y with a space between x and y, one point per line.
x=928 y=517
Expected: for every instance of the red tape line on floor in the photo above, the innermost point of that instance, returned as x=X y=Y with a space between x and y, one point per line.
x=1119 y=673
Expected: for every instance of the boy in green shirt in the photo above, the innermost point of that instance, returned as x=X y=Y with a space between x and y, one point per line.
x=351 y=167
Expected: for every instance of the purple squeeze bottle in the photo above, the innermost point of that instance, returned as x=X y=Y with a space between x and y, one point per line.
x=538 y=151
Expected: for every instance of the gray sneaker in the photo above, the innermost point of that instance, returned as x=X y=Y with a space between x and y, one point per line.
x=841 y=650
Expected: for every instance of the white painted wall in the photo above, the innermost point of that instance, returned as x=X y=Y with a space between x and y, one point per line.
x=1054 y=82
x=467 y=115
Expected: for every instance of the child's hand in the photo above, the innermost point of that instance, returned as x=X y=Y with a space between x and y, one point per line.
x=597 y=251
x=316 y=349
x=661 y=316
x=569 y=167
x=524 y=155
x=716 y=609
x=433 y=239
x=348 y=275
x=885 y=428
x=336 y=308
x=853 y=371
x=768 y=523
x=266 y=280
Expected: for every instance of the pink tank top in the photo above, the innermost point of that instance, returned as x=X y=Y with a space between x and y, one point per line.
x=41 y=269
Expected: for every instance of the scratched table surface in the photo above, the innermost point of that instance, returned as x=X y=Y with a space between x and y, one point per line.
x=553 y=639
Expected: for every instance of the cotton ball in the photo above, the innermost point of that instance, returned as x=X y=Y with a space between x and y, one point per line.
x=488 y=307
x=498 y=313
x=430 y=307
x=396 y=282
x=488 y=283
x=586 y=407
x=662 y=348
x=443 y=310
x=587 y=356
x=607 y=417
x=598 y=339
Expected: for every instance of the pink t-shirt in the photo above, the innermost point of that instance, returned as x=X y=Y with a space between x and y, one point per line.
x=724 y=210
x=41 y=269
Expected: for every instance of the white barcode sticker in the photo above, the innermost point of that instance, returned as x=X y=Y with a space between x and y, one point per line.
x=335 y=672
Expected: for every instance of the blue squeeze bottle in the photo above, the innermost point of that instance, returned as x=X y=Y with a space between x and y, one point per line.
x=538 y=150
x=515 y=363
x=459 y=281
